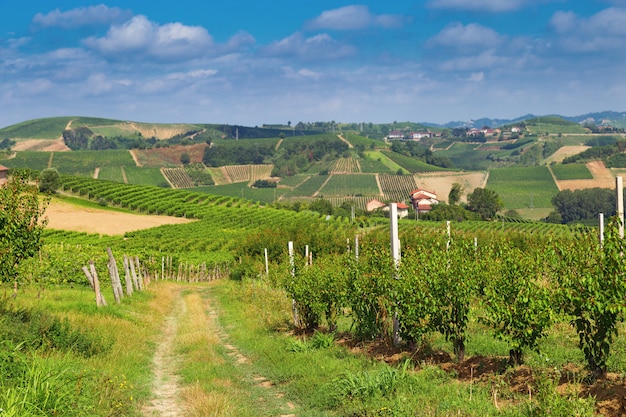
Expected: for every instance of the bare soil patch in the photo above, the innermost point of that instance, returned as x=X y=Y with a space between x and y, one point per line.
x=43 y=145
x=159 y=157
x=441 y=183
x=565 y=151
x=602 y=177
x=66 y=216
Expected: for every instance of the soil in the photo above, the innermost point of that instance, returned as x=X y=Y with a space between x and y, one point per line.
x=65 y=216
x=608 y=390
x=166 y=386
x=43 y=145
x=441 y=182
x=159 y=157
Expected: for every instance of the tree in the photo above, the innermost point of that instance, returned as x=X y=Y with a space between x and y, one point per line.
x=485 y=202
x=455 y=193
x=21 y=224
x=49 y=181
x=185 y=159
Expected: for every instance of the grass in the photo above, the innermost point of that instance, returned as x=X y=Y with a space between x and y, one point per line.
x=571 y=172
x=144 y=176
x=385 y=160
x=523 y=187
x=241 y=190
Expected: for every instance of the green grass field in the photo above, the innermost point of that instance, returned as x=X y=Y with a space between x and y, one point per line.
x=31 y=159
x=308 y=187
x=145 y=176
x=571 y=172
x=351 y=184
x=379 y=156
x=85 y=162
x=372 y=166
x=523 y=187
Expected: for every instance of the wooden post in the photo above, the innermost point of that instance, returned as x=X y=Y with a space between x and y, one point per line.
x=127 y=279
x=140 y=275
x=356 y=247
x=267 y=268
x=133 y=274
x=88 y=275
x=115 y=277
x=100 y=300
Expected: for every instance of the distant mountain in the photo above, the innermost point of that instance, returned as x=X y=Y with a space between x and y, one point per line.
x=617 y=119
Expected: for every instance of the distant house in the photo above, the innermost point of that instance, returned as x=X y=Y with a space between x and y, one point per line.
x=4 y=175
x=395 y=135
x=419 y=135
x=423 y=200
x=374 y=205
x=516 y=129
x=403 y=210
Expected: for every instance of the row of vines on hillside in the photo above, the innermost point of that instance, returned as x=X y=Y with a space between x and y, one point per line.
x=397 y=187
x=518 y=285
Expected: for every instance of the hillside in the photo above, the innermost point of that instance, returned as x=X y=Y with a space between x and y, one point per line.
x=347 y=168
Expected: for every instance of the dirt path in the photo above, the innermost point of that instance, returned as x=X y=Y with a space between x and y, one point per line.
x=96 y=173
x=346 y=141
x=133 y=153
x=166 y=386
x=168 y=392
x=602 y=177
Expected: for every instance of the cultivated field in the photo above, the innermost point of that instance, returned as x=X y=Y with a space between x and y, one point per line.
x=602 y=177
x=66 y=216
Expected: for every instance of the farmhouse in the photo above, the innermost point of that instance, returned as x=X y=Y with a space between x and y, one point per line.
x=423 y=200
x=419 y=135
x=4 y=175
x=395 y=135
x=374 y=205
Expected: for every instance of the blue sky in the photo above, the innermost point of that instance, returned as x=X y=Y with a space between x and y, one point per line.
x=250 y=62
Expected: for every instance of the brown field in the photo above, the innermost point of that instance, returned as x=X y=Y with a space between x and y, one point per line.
x=441 y=182
x=564 y=152
x=159 y=157
x=43 y=145
x=66 y=216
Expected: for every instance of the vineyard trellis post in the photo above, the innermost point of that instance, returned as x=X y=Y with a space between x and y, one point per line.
x=619 y=190
x=267 y=269
x=127 y=278
x=395 y=254
x=116 y=285
x=294 y=307
x=356 y=247
x=601 y=226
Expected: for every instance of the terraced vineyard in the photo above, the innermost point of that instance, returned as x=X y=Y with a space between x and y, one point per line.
x=178 y=177
x=241 y=173
x=345 y=166
x=397 y=187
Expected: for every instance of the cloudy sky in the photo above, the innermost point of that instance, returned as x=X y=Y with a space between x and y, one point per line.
x=251 y=62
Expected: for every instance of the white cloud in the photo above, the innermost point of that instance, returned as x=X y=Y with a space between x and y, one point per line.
x=352 y=18
x=605 y=30
x=318 y=47
x=82 y=16
x=139 y=36
x=192 y=75
x=489 y=6
x=462 y=36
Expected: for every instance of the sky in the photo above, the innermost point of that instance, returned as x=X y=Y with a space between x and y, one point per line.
x=252 y=62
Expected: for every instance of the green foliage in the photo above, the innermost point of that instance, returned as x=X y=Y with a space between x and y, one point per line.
x=523 y=187
x=21 y=224
x=516 y=301
x=454 y=196
x=584 y=205
x=49 y=181
x=364 y=385
x=443 y=212
x=484 y=202
x=264 y=184
x=592 y=291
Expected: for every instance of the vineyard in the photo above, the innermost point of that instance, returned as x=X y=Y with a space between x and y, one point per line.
x=350 y=185
x=247 y=173
x=177 y=177
x=345 y=166
x=397 y=187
